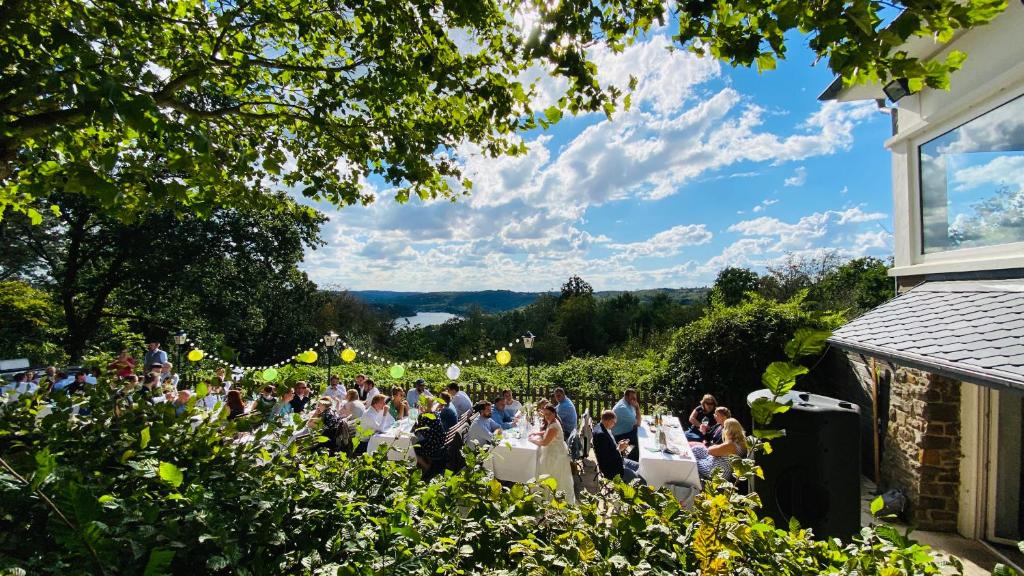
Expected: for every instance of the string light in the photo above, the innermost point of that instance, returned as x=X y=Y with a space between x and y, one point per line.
x=194 y=344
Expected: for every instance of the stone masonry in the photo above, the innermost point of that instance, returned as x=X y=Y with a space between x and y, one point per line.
x=922 y=447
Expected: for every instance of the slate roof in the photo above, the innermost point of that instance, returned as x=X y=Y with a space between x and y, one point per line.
x=969 y=330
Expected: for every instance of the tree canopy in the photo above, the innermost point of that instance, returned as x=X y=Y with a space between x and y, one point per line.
x=190 y=105
x=233 y=274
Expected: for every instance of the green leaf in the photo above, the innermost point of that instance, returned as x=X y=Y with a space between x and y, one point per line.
x=876 y=505
x=553 y=114
x=159 y=562
x=807 y=342
x=768 y=433
x=171 y=474
x=144 y=438
x=46 y=463
x=202 y=389
x=780 y=377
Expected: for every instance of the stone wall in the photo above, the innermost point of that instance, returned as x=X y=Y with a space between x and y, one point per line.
x=922 y=447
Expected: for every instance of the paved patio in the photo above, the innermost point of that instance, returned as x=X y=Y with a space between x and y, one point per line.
x=978 y=559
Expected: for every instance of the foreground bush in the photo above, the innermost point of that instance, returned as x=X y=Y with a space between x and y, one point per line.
x=137 y=490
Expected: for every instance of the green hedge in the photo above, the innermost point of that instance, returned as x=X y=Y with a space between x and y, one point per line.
x=137 y=490
x=591 y=375
x=725 y=352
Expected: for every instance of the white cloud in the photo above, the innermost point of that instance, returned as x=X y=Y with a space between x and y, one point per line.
x=799 y=177
x=525 y=226
x=1000 y=171
x=665 y=243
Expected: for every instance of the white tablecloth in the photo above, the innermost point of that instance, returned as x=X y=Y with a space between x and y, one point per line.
x=659 y=467
x=399 y=439
x=514 y=459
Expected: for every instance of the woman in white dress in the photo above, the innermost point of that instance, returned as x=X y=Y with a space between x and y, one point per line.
x=554 y=453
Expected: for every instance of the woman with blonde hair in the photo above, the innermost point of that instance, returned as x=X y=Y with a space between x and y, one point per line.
x=734 y=443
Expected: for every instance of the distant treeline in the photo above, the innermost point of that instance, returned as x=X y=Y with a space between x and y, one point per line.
x=400 y=304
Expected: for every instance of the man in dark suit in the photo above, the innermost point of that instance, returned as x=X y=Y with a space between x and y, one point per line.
x=609 y=452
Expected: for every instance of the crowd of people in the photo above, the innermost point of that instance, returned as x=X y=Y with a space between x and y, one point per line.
x=342 y=413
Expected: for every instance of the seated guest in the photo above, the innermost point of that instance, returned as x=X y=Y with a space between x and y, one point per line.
x=418 y=390
x=701 y=419
x=397 y=405
x=47 y=381
x=220 y=383
x=265 y=402
x=500 y=416
x=430 y=432
x=352 y=407
x=22 y=385
x=301 y=397
x=627 y=420
x=734 y=443
x=609 y=451
x=714 y=435
x=334 y=390
x=483 y=428
x=283 y=407
x=360 y=386
x=512 y=406
x=370 y=391
x=377 y=419
x=167 y=376
x=181 y=402
x=329 y=423
x=446 y=412
x=236 y=408
x=566 y=412
x=460 y=400
x=150 y=387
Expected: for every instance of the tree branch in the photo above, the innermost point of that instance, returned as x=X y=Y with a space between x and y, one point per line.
x=50 y=503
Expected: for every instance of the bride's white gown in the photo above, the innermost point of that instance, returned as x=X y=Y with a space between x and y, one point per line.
x=554 y=461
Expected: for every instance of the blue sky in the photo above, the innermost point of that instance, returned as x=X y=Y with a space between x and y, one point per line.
x=712 y=166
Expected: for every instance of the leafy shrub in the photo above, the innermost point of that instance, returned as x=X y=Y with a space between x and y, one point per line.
x=138 y=490
x=725 y=352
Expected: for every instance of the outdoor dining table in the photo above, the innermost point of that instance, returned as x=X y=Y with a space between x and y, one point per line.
x=399 y=439
x=659 y=467
x=513 y=457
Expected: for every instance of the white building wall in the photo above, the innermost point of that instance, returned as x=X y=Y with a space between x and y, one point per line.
x=992 y=75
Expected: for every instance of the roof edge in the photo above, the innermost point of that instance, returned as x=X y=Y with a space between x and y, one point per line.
x=992 y=378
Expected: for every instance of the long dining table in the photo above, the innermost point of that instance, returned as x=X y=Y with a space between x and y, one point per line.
x=671 y=464
x=513 y=457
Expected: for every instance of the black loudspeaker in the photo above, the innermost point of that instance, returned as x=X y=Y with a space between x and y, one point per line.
x=813 y=472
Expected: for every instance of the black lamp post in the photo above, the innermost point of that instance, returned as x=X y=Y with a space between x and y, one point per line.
x=330 y=340
x=179 y=340
x=528 y=339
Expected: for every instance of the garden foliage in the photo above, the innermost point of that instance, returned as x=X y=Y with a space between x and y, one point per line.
x=138 y=490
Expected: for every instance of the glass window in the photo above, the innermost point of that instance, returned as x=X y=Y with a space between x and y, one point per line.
x=972 y=182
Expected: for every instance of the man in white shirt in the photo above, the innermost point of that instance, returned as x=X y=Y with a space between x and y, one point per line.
x=483 y=428
x=377 y=418
x=371 y=391
x=460 y=400
x=335 y=391
x=418 y=390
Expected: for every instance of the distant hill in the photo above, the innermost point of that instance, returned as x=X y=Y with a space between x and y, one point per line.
x=493 y=301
